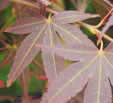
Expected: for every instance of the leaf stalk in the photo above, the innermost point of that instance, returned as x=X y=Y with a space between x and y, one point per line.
x=102 y=21
x=94 y=30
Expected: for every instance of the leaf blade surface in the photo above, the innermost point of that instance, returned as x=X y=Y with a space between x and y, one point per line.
x=97 y=67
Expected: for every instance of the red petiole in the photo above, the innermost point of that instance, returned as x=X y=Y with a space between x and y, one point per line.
x=3 y=48
x=101 y=48
x=102 y=21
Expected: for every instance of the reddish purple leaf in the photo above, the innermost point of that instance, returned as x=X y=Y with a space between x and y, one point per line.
x=37 y=62
x=95 y=67
x=26 y=25
x=27 y=51
x=53 y=63
x=70 y=16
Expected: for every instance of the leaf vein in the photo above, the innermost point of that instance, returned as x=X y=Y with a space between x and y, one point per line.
x=53 y=55
x=27 y=53
x=67 y=17
x=16 y=27
x=60 y=90
x=66 y=32
x=99 y=82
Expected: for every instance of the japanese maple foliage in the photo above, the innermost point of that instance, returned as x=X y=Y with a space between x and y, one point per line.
x=57 y=37
x=44 y=31
x=95 y=68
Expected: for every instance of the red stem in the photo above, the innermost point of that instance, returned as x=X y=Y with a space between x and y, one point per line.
x=101 y=48
x=98 y=37
x=107 y=15
x=3 y=42
x=104 y=19
x=3 y=48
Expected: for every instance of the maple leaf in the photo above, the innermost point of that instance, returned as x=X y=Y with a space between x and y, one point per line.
x=38 y=63
x=95 y=68
x=8 y=58
x=41 y=27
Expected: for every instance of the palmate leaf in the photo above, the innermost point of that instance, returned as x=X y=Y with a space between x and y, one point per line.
x=40 y=27
x=95 y=68
x=25 y=54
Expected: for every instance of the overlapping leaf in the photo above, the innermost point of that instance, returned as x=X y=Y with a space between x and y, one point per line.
x=52 y=62
x=95 y=69
x=39 y=27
